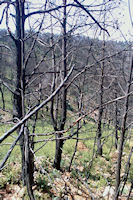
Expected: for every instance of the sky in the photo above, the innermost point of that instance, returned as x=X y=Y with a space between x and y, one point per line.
x=119 y=18
x=126 y=27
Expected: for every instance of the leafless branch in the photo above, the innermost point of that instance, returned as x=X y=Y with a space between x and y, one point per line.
x=11 y=149
x=86 y=10
x=48 y=11
x=37 y=108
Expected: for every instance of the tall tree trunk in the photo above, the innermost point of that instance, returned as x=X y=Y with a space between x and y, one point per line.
x=19 y=107
x=122 y=136
x=99 y=128
x=29 y=164
x=59 y=142
x=116 y=120
x=2 y=96
x=20 y=81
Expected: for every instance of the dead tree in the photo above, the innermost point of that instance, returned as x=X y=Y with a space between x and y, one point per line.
x=116 y=118
x=123 y=132
x=19 y=94
x=60 y=124
x=100 y=114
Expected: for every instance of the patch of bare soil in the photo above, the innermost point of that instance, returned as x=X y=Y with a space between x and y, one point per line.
x=70 y=188
x=12 y=192
x=81 y=147
x=5 y=116
x=73 y=187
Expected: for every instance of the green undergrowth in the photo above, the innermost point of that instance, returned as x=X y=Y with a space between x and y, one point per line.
x=97 y=171
x=5 y=146
x=7 y=100
x=11 y=174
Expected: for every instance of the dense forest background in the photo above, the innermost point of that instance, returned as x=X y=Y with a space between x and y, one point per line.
x=65 y=102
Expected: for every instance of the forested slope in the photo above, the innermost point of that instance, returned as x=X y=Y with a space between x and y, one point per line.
x=65 y=103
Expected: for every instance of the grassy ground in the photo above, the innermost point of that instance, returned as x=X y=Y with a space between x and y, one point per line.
x=101 y=173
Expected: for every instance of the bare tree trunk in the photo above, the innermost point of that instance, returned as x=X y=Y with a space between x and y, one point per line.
x=99 y=133
x=2 y=96
x=116 y=121
x=59 y=142
x=19 y=101
x=53 y=87
x=80 y=105
x=99 y=128
x=29 y=165
x=19 y=93
x=127 y=170
x=122 y=137
x=131 y=188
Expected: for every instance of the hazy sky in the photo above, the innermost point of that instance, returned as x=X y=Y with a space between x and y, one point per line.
x=120 y=15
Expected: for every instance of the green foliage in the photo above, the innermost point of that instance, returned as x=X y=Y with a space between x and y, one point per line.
x=42 y=182
x=41 y=196
x=3 y=181
x=7 y=143
x=102 y=166
x=7 y=99
x=11 y=175
x=131 y=174
x=69 y=147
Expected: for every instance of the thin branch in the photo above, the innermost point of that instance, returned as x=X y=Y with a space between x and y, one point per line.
x=89 y=66
x=11 y=149
x=6 y=1
x=8 y=87
x=5 y=46
x=87 y=11
x=37 y=108
x=48 y=11
x=2 y=15
x=130 y=15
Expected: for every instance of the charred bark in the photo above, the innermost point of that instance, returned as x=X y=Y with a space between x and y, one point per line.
x=19 y=97
x=99 y=127
x=122 y=136
x=116 y=121
x=60 y=142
